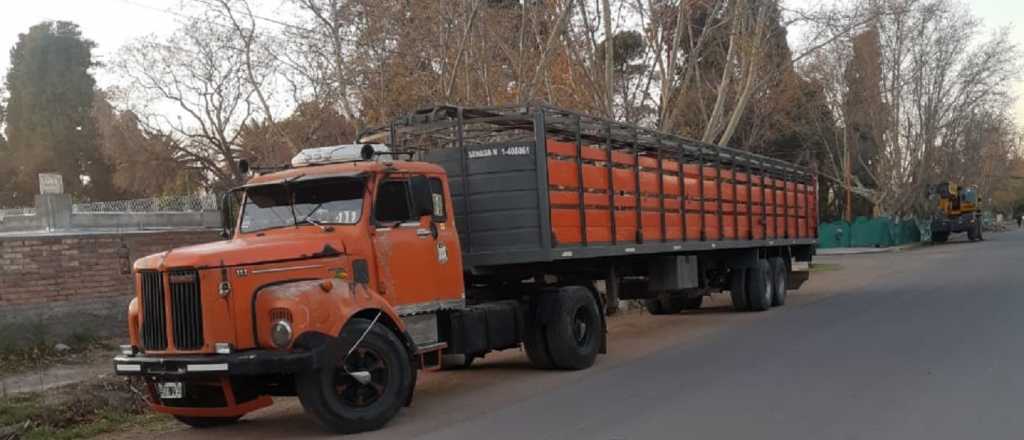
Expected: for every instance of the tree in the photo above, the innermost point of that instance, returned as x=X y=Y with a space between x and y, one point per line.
x=6 y=159
x=193 y=88
x=913 y=113
x=311 y=124
x=144 y=163
x=49 y=125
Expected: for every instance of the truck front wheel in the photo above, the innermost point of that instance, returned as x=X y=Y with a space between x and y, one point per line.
x=342 y=403
x=573 y=329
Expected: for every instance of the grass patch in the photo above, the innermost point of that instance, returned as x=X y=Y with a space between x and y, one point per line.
x=107 y=404
x=825 y=267
x=39 y=355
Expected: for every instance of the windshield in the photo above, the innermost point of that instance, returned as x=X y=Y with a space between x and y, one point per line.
x=336 y=201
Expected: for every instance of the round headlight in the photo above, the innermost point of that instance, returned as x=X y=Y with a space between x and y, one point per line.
x=280 y=333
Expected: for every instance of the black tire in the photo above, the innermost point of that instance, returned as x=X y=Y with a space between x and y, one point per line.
x=939 y=237
x=207 y=422
x=574 y=331
x=981 y=236
x=738 y=289
x=759 y=286
x=666 y=304
x=534 y=340
x=779 y=275
x=356 y=407
x=693 y=302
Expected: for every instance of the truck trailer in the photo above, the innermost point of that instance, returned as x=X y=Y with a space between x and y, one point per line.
x=454 y=231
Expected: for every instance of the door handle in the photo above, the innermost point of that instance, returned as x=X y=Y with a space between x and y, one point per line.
x=423 y=232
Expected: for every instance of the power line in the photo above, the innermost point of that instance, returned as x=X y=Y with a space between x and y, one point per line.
x=208 y=5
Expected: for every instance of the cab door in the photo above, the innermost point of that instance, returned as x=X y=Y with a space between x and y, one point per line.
x=414 y=257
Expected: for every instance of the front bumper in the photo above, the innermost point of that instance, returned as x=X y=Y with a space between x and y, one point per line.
x=244 y=363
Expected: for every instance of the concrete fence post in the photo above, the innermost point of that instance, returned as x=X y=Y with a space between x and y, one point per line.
x=54 y=211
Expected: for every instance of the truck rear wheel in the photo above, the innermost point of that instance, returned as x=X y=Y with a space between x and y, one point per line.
x=779 y=275
x=207 y=422
x=692 y=302
x=666 y=304
x=738 y=289
x=574 y=331
x=760 y=289
x=974 y=233
x=343 y=404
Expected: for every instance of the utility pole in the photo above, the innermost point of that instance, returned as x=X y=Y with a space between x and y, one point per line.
x=848 y=183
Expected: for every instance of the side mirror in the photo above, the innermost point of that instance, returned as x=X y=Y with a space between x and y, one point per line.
x=243 y=167
x=422 y=200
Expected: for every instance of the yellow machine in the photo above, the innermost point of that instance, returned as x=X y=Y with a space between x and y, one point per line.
x=957 y=211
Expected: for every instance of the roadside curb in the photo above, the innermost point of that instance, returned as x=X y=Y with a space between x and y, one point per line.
x=866 y=250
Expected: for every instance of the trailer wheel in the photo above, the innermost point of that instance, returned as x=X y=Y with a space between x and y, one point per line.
x=207 y=422
x=974 y=233
x=574 y=332
x=693 y=302
x=666 y=304
x=738 y=289
x=779 y=275
x=759 y=286
x=343 y=404
x=534 y=339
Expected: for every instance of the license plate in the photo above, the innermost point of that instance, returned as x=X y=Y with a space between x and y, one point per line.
x=170 y=390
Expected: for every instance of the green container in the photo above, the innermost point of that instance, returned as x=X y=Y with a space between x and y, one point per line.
x=834 y=235
x=871 y=232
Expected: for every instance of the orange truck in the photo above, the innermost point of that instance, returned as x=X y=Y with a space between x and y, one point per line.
x=448 y=234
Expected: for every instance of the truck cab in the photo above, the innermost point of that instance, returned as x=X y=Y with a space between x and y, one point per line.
x=346 y=236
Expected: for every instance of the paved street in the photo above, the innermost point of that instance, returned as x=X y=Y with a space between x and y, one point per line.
x=922 y=344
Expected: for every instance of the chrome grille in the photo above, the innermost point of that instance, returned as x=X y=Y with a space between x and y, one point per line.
x=154 y=316
x=186 y=309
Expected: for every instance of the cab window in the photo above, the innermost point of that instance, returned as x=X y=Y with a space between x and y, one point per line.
x=393 y=203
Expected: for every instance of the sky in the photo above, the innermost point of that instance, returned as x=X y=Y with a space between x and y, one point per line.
x=112 y=23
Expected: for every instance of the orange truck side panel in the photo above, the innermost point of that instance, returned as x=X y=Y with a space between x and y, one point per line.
x=737 y=205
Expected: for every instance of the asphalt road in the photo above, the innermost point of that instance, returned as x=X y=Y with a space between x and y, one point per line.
x=922 y=344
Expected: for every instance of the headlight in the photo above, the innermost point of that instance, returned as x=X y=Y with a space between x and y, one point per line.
x=280 y=333
x=128 y=350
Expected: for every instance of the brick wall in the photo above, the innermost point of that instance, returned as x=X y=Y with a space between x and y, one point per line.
x=69 y=284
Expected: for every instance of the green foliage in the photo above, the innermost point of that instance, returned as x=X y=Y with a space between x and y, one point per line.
x=49 y=125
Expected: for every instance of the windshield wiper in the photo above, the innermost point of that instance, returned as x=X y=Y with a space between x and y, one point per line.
x=309 y=220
